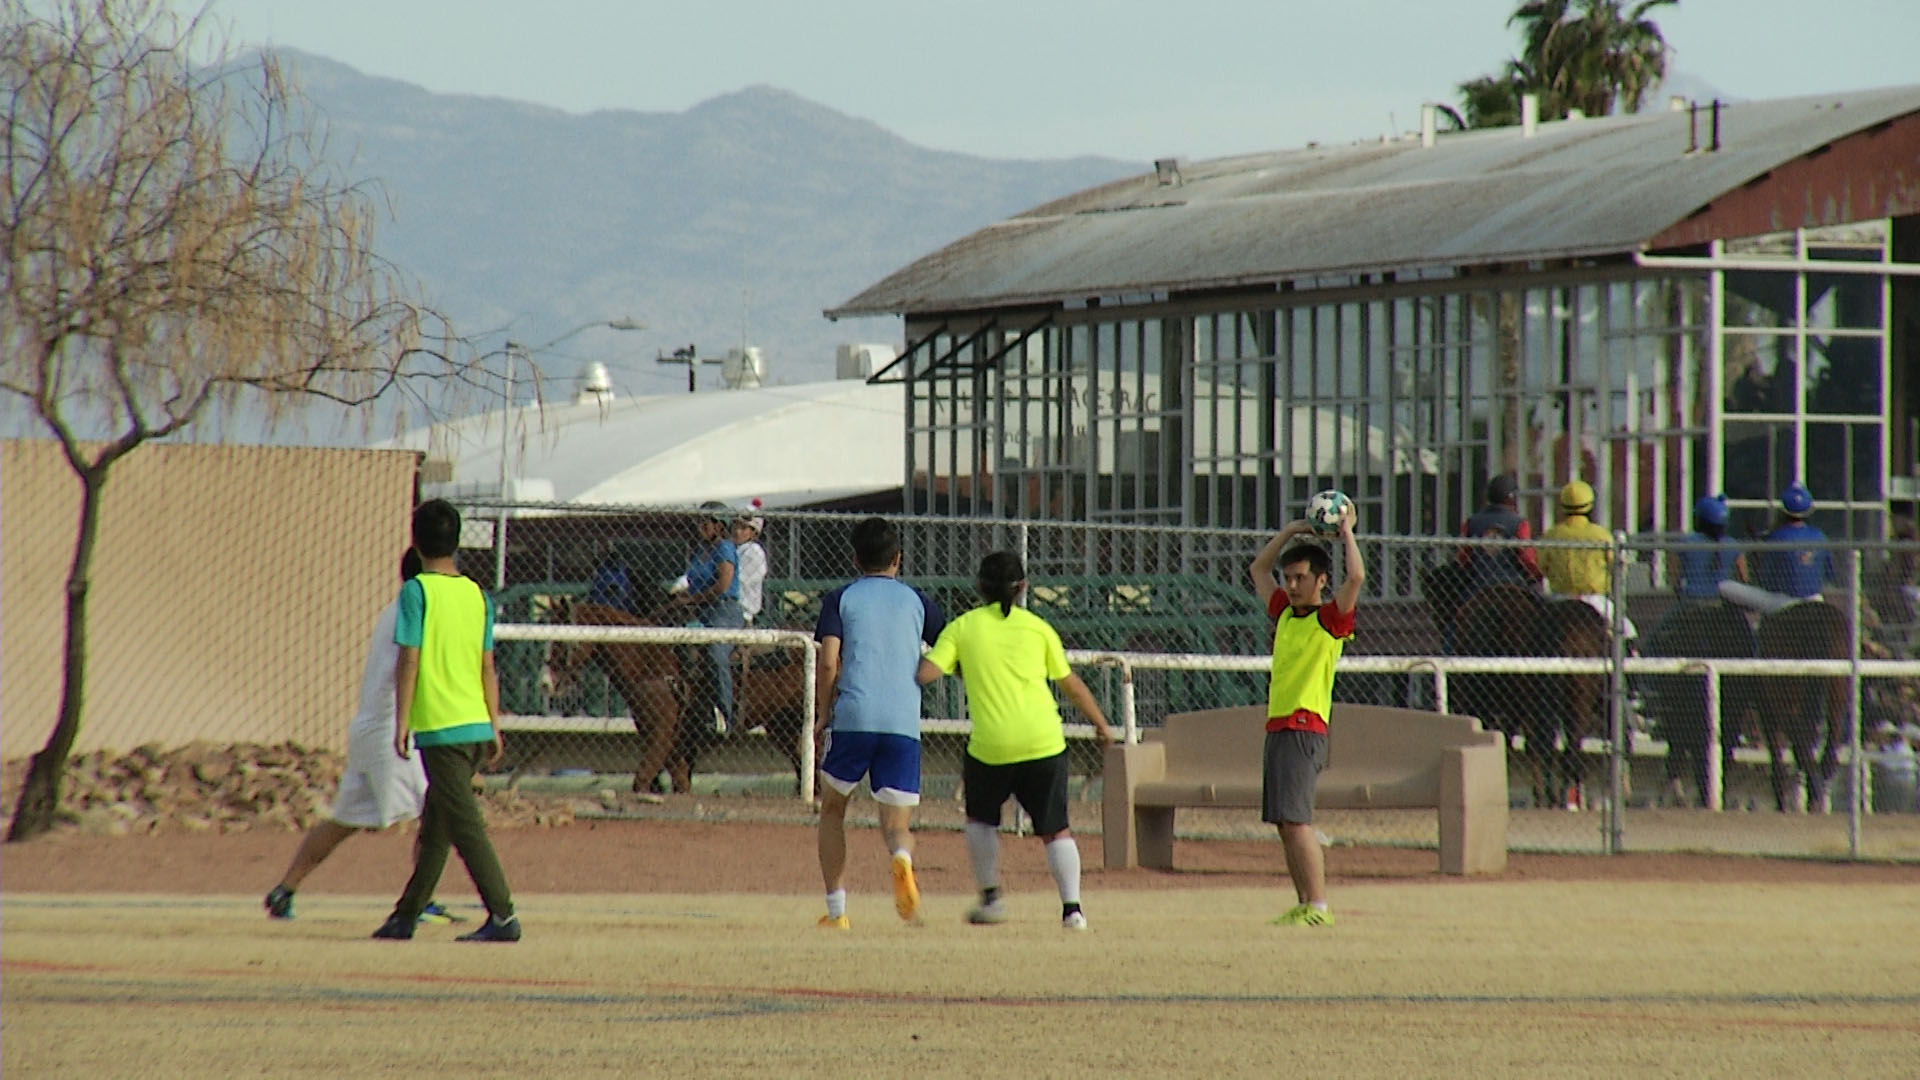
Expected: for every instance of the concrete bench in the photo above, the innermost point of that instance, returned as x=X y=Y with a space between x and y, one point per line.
x=1378 y=758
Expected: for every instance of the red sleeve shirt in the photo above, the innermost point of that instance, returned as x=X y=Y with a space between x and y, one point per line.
x=1331 y=619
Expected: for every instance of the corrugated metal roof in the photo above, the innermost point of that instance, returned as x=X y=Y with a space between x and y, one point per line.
x=1575 y=188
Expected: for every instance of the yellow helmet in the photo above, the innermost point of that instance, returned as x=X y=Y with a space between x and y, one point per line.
x=1577 y=497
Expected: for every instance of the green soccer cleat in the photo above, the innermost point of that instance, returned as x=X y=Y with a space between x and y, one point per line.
x=436 y=914
x=1304 y=915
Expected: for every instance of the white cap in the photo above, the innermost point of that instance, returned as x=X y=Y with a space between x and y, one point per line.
x=757 y=524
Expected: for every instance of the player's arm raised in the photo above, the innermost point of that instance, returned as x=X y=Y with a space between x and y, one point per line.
x=1262 y=569
x=1347 y=597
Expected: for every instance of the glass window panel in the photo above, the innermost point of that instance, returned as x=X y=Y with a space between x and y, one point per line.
x=1843 y=301
x=1843 y=375
x=1869 y=481
x=1828 y=467
x=1760 y=373
x=1760 y=300
x=1759 y=459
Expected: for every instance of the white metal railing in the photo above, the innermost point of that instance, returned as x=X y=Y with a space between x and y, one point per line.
x=1440 y=668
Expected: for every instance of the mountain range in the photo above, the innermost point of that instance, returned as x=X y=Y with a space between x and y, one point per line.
x=736 y=221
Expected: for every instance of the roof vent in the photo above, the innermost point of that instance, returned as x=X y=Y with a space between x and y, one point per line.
x=744 y=368
x=1167 y=171
x=595 y=384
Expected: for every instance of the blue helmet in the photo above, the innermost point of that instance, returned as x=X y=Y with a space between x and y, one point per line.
x=1796 y=500
x=1711 y=509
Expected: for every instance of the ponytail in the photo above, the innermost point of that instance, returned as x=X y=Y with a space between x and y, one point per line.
x=999 y=580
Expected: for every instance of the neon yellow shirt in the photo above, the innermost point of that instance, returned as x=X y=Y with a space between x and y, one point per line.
x=1576 y=571
x=1006 y=661
x=1305 y=650
x=450 y=621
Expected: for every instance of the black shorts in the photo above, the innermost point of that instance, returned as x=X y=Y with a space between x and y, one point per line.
x=1040 y=785
x=1292 y=768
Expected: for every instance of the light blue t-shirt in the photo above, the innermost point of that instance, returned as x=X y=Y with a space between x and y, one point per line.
x=704 y=570
x=880 y=622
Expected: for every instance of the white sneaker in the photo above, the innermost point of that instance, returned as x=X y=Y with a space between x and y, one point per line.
x=987 y=914
x=1073 y=921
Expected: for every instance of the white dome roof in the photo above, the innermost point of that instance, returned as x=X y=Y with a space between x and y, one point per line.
x=785 y=445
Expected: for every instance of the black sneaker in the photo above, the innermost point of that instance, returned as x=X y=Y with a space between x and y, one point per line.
x=279 y=903
x=495 y=929
x=395 y=929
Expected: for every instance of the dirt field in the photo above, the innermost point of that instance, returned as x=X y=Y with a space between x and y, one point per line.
x=688 y=949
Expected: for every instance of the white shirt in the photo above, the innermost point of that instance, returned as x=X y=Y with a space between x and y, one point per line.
x=376 y=679
x=753 y=575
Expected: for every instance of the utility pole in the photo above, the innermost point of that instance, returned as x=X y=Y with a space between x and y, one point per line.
x=690 y=356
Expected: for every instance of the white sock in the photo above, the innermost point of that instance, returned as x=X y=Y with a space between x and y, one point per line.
x=1063 y=858
x=1319 y=905
x=983 y=850
x=904 y=856
x=836 y=903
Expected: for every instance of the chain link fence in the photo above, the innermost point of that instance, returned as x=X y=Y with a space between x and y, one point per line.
x=1687 y=706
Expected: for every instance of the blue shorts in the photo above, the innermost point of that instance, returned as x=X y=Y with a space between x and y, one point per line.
x=890 y=763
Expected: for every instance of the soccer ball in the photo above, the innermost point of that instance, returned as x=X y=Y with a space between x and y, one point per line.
x=1324 y=510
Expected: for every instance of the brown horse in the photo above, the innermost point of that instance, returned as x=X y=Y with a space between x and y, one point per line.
x=1805 y=714
x=1550 y=713
x=769 y=693
x=647 y=677
x=1679 y=702
x=1571 y=708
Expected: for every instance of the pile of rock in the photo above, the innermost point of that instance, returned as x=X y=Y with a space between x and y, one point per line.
x=203 y=787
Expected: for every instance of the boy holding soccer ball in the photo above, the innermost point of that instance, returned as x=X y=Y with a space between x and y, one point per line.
x=1308 y=637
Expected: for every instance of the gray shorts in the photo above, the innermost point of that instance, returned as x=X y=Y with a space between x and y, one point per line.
x=1293 y=763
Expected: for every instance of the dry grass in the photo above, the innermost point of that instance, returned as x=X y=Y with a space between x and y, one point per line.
x=1488 y=980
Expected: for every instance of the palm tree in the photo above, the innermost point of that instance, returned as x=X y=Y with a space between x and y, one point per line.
x=1591 y=55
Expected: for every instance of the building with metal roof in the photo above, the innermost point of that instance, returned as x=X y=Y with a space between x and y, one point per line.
x=1715 y=298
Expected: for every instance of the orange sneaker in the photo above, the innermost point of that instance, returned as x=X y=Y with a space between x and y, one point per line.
x=906 y=892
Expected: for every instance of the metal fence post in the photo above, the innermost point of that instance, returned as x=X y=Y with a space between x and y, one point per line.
x=1128 y=715
x=1856 y=760
x=1716 y=793
x=1616 y=798
x=809 y=712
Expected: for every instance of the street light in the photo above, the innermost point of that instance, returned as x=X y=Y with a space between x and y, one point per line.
x=513 y=348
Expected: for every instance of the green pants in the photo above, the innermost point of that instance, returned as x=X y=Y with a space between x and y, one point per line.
x=452 y=818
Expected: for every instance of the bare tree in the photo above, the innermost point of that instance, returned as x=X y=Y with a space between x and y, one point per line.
x=174 y=246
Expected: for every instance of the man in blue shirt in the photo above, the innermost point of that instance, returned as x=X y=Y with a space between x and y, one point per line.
x=713 y=591
x=1703 y=569
x=870 y=632
x=1786 y=575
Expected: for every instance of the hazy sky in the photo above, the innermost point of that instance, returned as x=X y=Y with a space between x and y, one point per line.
x=1032 y=78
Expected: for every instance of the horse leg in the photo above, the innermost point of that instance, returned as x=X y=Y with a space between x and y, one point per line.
x=657 y=738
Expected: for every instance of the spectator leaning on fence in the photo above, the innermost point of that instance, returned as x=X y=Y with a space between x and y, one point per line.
x=377 y=788
x=1006 y=654
x=713 y=592
x=1584 y=573
x=1701 y=570
x=1787 y=575
x=447 y=704
x=752 y=562
x=870 y=631
x=1308 y=638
